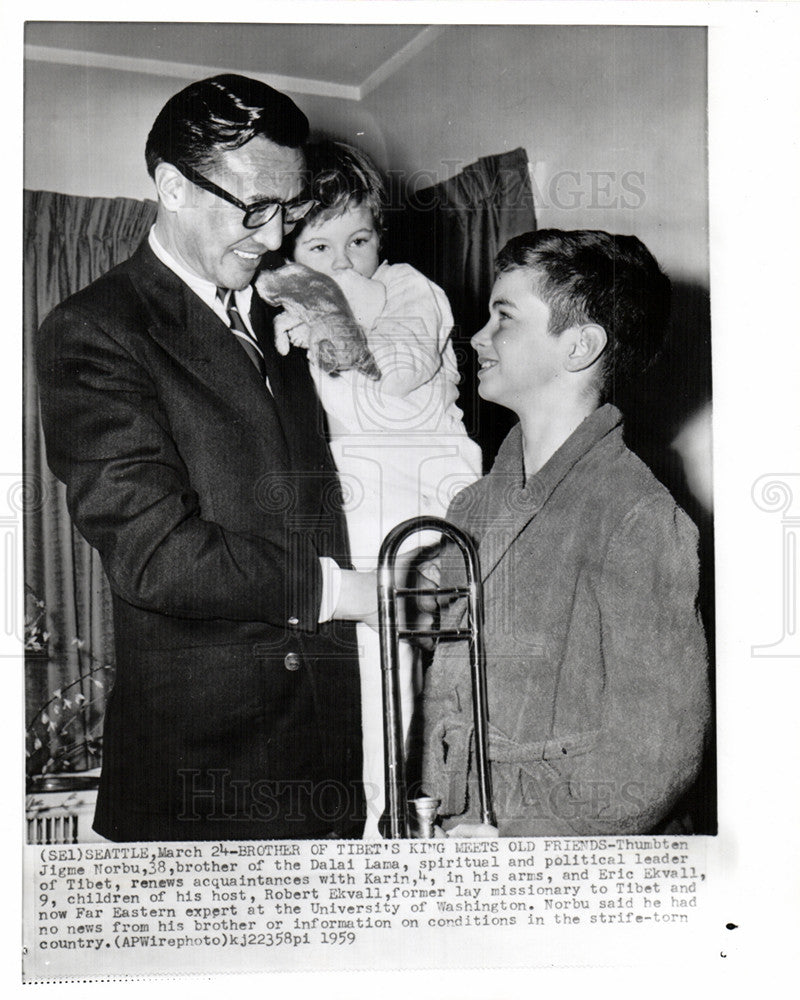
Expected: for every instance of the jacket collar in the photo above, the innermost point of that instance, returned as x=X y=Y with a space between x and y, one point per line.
x=541 y=484
x=498 y=508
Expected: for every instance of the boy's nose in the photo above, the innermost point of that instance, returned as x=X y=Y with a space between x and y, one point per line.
x=481 y=338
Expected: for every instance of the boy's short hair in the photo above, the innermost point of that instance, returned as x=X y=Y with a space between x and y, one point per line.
x=341 y=177
x=589 y=276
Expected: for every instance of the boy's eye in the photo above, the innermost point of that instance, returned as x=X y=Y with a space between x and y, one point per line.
x=318 y=248
x=359 y=241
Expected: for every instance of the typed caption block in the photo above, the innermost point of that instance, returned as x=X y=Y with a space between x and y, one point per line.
x=111 y=910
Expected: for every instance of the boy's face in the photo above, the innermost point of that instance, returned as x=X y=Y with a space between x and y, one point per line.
x=518 y=355
x=333 y=246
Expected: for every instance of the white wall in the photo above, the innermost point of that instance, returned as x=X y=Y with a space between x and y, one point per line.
x=85 y=128
x=613 y=119
x=628 y=104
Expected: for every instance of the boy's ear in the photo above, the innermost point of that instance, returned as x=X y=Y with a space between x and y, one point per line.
x=586 y=344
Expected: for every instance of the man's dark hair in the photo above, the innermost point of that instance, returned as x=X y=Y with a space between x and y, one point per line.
x=589 y=276
x=223 y=112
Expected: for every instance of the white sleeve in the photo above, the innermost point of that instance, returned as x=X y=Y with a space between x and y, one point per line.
x=365 y=296
x=331 y=586
x=410 y=335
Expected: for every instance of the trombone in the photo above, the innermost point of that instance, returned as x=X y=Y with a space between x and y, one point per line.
x=395 y=820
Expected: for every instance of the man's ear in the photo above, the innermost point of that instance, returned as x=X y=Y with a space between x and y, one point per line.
x=171 y=186
x=586 y=344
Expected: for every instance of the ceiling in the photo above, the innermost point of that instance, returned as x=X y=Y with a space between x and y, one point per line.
x=331 y=60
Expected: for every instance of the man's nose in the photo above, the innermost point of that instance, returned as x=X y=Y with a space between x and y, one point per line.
x=270 y=235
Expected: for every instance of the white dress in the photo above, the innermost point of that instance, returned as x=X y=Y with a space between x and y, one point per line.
x=401 y=449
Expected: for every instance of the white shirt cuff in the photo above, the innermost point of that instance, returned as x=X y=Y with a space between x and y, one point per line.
x=331 y=586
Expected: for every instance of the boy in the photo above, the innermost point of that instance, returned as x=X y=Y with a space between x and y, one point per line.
x=596 y=657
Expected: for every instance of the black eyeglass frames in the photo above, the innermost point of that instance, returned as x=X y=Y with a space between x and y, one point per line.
x=259 y=213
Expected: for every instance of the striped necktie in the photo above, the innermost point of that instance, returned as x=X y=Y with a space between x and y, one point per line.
x=240 y=331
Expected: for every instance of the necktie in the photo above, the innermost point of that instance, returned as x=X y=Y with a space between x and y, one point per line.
x=240 y=331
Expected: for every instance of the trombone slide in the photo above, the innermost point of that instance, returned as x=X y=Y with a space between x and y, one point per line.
x=395 y=821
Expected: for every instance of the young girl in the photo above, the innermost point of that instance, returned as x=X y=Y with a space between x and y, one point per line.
x=399 y=442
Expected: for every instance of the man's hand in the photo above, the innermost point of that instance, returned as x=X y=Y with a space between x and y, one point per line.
x=417 y=568
x=412 y=569
x=429 y=577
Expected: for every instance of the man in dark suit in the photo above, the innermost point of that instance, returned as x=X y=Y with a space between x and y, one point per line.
x=196 y=462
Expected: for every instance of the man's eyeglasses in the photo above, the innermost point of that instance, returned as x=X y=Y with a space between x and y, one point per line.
x=259 y=213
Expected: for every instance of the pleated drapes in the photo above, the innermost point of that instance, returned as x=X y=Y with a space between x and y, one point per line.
x=452 y=232
x=68 y=242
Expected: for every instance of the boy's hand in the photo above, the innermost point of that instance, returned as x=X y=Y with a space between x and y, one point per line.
x=419 y=569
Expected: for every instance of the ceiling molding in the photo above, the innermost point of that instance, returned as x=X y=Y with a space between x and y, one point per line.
x=185 y=71
x=400 y=58
x=190 y=71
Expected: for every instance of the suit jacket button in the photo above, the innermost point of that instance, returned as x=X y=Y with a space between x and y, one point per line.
x=292 y=661
x=294 y=622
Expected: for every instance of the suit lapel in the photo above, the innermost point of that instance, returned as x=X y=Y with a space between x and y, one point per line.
x=313 y=477
x=197 y=340
x=291 y=422
x=299 y=408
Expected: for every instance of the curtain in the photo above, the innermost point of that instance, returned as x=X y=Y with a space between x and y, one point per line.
x=452 y=233
x=68 y=242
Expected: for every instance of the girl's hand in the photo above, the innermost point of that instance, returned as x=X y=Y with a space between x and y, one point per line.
x=365 y=297
x=289 y=330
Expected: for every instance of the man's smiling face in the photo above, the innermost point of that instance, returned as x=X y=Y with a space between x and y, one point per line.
x=208 y=234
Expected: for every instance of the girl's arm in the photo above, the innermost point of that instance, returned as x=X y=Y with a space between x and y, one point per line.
x=409 y=334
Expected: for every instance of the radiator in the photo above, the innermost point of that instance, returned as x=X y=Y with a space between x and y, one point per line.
x=61 y=816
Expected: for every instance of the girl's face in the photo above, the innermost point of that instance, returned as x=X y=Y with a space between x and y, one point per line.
x=348 y=242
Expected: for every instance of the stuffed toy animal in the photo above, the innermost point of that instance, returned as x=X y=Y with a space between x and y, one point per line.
x=318 y=317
